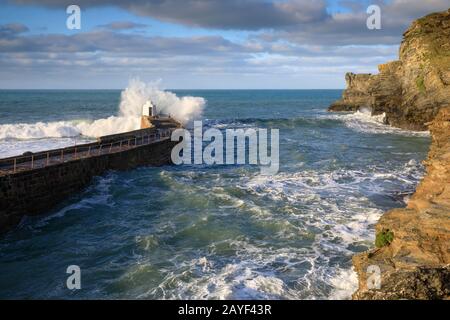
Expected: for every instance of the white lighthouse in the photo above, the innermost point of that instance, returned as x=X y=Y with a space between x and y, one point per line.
x=148 y=113
x=148 y=109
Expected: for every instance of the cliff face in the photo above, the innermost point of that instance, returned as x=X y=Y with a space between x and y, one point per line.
x=413 y=254
x=413 y=89
x=416 y=263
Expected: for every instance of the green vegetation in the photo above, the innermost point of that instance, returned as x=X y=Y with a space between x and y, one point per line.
x=434 y=38
x=420 y=82
x=384 y=238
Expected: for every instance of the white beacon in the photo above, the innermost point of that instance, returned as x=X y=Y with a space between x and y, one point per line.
x=149 y=109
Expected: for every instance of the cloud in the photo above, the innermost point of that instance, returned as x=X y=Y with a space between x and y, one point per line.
x=232 y=14
x=105 y=52
x=12 y=29
x=107 y=41
x=102 y=41
x=294 y=43
x=122 y=25
x=299 y=21
x=216 y=14
x=350 y=27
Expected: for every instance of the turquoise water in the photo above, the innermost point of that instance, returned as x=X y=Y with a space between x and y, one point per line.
x=210 y=232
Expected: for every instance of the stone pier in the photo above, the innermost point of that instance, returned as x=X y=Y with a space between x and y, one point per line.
x=34 y=186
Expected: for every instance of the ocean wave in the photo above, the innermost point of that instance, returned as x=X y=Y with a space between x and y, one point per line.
x=301 y=230
x=39 y=130
x=67 y=129
x=279 y=123
x=96 y=194
x=209 y=279
x=248 y=236
x=183 y=109
x=345 y=283
x=363 y=121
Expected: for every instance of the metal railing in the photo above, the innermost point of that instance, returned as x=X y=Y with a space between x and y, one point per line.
x=44 y=159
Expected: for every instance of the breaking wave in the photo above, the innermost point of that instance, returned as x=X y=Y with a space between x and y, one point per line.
x=184 y=109
x=363 y=121
x=328 y=212
x=68 y=129
x=221 y=232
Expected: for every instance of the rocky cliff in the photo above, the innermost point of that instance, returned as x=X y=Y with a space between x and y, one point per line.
x=414 y=253
x=413 y=89
x=413 y=244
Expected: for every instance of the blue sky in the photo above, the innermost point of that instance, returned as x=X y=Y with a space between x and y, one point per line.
x=292 y=44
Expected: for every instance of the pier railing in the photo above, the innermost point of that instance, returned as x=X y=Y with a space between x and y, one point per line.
x=43 y=159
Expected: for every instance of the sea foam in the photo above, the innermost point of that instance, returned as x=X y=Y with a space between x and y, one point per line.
x=183 y=109
x=363 y=121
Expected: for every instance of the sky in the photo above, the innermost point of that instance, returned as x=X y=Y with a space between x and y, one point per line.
x=199 y=44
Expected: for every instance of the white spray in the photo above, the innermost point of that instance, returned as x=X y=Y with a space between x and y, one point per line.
x=184 y=109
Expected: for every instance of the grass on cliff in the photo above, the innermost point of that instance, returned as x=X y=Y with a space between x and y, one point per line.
x=435 y=38
x=384 y=238
x=420 y=82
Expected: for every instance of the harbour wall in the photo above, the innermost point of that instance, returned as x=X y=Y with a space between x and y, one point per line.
x=32 y=192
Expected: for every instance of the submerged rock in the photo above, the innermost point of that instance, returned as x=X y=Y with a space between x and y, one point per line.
x=413 y=89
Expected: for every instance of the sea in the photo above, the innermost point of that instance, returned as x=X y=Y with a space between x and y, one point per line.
x=207 y=232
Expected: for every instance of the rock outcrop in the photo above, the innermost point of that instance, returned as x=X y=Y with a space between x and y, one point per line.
x=412 y=260
x=416 y=263
x=413 y=89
